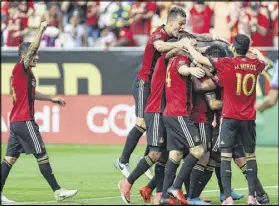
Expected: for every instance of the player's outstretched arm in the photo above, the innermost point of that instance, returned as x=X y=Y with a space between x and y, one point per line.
x=269 y=101
x=184 y=70
x=206 y=85
x=196 y=55
x=162 y=46
x=213 y=103
x=207 y=37
x=43 y=97
x=32 y=50
x=259 y=55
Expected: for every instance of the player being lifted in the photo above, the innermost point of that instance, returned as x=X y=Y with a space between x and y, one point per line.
x=239 y=75
x=156 y=44
x=24 y=132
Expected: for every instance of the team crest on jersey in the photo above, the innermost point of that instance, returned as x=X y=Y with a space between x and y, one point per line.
x=161 y=140
x=196 y=138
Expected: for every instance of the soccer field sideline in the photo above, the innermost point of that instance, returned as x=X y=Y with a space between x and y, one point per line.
x=116 y=197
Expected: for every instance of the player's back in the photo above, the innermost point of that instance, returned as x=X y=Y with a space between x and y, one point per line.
x=178 y=89
x=239 y=76
x=156 y=99
x=151 y=55
x=23 y=85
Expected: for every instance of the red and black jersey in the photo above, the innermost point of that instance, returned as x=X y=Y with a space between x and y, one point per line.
x=156 y=99
x=151 y=55
x=178 y=89
x=239 y=76
x=200 y=107
x=23 y=83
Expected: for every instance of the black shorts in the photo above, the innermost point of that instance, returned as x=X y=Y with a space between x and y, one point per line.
x=181 y=133
x=215 y=139
x=155 y=130
x=25 y=137
x=205 y=130
x=141 y=91
x=237 y=132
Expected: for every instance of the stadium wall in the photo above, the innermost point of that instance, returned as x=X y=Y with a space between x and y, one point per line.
x=97 y=87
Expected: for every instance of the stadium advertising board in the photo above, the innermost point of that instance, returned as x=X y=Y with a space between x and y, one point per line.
x=85 y=120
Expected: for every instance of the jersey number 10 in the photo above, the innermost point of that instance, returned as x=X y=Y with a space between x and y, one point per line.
x=242 y=84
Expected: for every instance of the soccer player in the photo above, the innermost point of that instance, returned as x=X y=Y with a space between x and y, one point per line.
x=239 y=75
x=156 y=44
x=24 y=132
x=271 y=99
x=182 y=134
x=215 y=102
x=156 y=137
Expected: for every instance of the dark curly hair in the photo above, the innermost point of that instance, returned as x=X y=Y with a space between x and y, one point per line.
x=215 y=50
x=241 y=44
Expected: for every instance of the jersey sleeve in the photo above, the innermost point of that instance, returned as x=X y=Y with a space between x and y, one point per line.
x=218 y=79
x=261 y=66
x=218 y=63
x=179 y=61
x=274 y=79
x=157 y=35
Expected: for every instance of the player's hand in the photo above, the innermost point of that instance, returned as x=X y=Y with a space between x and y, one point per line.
x=254 y=51
x=43 y=25
x=259 y=106
x=197 y=72
x=58 y=100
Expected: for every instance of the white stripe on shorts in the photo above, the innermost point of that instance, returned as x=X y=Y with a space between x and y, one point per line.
x=34 y=137
x=140 y=98
x=155 y=129
x=186 y=131
x=203 y=134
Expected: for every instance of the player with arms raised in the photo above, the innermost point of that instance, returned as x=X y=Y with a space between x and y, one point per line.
x=24 y=132
x=239 y=76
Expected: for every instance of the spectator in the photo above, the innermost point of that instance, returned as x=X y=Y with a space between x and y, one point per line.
x=125 y=38
x=108 y=37
x=274 y=17
x=93 y=13
x=16 y=26
x=238 y=20
x=261 y=34
x=201 y=17
x=158 y=20
x=141 y=14
x=75 y=34
x=54 y=16
x=26 y=10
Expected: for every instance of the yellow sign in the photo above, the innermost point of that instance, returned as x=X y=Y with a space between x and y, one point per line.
x=68 y=76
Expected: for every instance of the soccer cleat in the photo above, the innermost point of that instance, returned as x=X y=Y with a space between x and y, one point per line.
x=125 y=189
x=197 y=201
x=168 y=201
x=148 y=172
x=5 y=200
x=124 y=168
x=263 y=199
x=178 y=195
x=156 y=200
x=146 y=194
x=63 y=194
x=228 y=201
x=252 y=201
x=234 y=195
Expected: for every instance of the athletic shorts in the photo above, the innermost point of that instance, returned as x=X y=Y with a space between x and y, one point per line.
x=205 y=130
x=182 y=133
x=237 y=132
x=141 y=92
x=25 y=138
x=155 y=130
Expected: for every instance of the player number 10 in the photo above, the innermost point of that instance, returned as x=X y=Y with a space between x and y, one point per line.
x=242 y=83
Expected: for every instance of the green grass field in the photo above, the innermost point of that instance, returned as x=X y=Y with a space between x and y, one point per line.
x=90 y=168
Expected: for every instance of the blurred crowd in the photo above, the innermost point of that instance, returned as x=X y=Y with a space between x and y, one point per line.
x=111 y=24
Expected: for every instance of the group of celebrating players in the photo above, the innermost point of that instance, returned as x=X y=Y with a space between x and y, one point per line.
x=194 y=97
